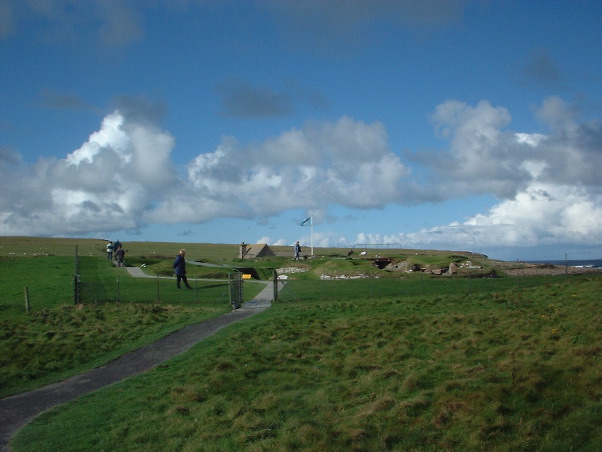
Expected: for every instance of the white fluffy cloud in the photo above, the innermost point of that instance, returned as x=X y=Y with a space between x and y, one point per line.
x=122 y=177
x=106 y=184
x=549 y=186
x=540 y=215
x=486 y=157
x=347 y=163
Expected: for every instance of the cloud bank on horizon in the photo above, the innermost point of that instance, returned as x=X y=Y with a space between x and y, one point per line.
x=130 y=172
x=122 y=177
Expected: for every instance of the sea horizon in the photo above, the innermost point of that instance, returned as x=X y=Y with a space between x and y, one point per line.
x=582 y=263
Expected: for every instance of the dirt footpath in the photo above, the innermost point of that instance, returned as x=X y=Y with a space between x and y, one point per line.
x=18 y=410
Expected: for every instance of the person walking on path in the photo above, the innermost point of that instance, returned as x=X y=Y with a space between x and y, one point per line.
x=110 y=251
x=119 y=256
x=297 y=250
x=179 y=266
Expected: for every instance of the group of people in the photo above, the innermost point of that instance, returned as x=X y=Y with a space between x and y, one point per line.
x=179 y=264
x=116 y=250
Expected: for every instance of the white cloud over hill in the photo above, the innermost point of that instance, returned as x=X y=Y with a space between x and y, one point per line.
x=123 y=177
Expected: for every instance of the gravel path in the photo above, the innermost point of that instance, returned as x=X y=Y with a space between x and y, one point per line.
x=18 y=410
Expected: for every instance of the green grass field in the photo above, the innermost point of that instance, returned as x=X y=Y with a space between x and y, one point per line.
x=510 y=370
x=120 y=313
x=497 y=364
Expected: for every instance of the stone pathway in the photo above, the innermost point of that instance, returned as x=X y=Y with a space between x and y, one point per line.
x=263 y=299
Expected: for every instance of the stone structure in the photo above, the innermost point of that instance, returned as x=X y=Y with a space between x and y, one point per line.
x=254 y=251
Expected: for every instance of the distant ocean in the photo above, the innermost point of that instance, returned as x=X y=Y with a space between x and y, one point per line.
x=591 y=263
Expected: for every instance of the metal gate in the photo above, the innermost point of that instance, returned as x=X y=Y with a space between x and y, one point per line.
x=235 y=280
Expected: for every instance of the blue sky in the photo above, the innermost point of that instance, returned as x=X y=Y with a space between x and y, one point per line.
x=461 y=125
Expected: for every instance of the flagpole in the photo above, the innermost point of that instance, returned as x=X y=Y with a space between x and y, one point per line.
x=311 y=231
x=311 y=234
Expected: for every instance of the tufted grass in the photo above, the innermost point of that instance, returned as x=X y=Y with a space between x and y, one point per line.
x=510 y=369
x=58 y=339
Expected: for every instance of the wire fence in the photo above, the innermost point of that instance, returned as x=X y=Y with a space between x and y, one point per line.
x=58 y=280
x=96 y=282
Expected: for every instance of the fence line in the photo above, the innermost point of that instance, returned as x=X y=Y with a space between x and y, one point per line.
x=373 y=287
x=97 y=283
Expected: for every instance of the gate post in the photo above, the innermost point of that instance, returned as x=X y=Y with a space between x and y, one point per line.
x=235 y=289
x=76 y=280
x=275 y=279
x=76 y=298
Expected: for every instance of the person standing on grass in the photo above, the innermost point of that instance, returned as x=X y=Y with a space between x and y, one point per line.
x=119 y=256
x=179 y=268
x=110 y=251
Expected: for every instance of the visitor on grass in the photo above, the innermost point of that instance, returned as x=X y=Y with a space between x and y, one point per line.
x=179 y=267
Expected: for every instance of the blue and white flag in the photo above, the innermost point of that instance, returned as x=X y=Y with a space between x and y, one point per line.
x=306 y=221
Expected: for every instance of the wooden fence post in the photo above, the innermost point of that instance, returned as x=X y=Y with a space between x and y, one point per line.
x=158 y=290
x=75 y=289
x=26 y=300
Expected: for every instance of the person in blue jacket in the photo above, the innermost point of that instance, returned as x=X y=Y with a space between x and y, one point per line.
x=179 y=267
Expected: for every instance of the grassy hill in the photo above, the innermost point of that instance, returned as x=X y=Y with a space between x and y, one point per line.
x=161 y=254
x=502 y=371
x=397 y=361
